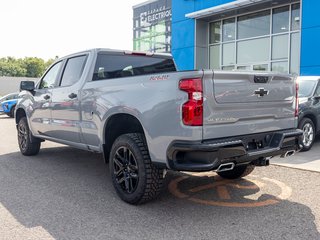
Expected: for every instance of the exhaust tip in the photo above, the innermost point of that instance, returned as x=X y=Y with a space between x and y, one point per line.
x=225 y=167
x=288 y=154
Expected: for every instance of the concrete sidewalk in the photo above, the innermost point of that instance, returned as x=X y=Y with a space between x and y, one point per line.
x=303 y=160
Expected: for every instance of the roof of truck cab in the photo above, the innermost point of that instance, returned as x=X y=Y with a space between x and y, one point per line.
x=131 y=51
x=166 y=55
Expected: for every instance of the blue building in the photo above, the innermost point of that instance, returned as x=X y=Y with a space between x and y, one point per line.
x=270 y=35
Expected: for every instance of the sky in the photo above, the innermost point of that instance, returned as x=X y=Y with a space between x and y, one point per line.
x=49 y=28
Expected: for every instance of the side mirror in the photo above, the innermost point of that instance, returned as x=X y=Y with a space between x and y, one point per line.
x=27 y=85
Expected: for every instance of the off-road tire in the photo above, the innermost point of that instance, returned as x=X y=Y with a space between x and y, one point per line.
x=150 y=179
x=302 y=124
x=237 y=172
x=28 y=144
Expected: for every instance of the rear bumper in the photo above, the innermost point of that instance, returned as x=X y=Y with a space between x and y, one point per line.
x=210 y=154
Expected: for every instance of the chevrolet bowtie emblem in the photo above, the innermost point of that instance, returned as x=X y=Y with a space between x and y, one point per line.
x=261 y=92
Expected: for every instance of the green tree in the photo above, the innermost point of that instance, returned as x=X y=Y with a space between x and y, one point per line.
x=34 y=66
x=11 y=67
x=26 y=67
x=50 y=61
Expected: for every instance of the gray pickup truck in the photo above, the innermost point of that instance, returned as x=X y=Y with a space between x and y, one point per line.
x=147 y=117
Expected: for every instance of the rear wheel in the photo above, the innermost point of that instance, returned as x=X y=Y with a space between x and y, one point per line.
x=27 y=143
x=237 y=172
x=134 y=177
x=307 y=126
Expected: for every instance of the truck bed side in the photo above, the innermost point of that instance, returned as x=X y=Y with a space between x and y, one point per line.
x=155 y=100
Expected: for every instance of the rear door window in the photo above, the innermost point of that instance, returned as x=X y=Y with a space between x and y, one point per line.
x=110 y=66
x=73 y=70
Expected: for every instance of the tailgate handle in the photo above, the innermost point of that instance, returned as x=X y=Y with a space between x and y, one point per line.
x=261 y=79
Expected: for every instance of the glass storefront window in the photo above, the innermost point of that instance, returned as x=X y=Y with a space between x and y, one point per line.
x=280 y=22
x=244 y=68
x=256 y=50
x=260 y=41
x=280 y=47
x=152 y=26
x=228 y=30
x=261 y=67
x=145 y=44
x=281 y=67
x=228 y=56
x=295 y=17
x=215 y=32
x=228 y=68
x=160 y=39
x=295 y=53
x=161 y=27
x=145 y=32
x=254 y=25
x=215 y=57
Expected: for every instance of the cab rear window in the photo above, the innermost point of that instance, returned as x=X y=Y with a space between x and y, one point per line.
x=110 y=66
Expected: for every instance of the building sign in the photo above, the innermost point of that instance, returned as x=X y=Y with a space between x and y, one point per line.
x=152 y=26
x=156 y=15
x=153 y=12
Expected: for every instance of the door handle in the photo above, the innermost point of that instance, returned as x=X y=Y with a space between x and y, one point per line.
x=72 y=95
x=46 y=97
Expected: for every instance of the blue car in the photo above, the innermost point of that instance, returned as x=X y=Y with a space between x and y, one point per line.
x=8 y=104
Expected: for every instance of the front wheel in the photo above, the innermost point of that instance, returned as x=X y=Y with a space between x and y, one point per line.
x=134 y=177
x=27 y=143
x=237 y=172
x=307 y=126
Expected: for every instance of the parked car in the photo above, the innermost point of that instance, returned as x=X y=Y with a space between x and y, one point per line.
x=145 y=117
x=8 y=104
x=309 y=109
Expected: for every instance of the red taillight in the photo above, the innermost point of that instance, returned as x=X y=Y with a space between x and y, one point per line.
x=296 y=112
x=192 y=110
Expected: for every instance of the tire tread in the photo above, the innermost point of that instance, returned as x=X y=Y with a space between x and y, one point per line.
x=33 y=147
x=153 y=176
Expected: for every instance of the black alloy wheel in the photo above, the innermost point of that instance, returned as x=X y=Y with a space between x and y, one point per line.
x=28 y=144
x=125 y=169
x=22 y=136
x=134 y=177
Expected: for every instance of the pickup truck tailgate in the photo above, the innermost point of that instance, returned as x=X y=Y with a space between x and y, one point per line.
x=239 y=103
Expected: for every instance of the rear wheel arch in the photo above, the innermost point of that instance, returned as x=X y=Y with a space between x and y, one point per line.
x=308 y=126
x=117 y=125
x=313 y=118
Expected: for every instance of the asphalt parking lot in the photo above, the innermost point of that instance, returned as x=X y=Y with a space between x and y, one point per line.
x=64 y=193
